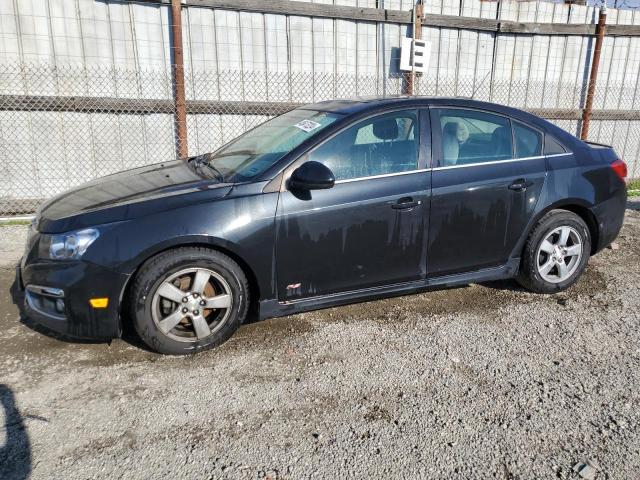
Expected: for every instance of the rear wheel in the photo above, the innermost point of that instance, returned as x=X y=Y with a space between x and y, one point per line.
x=556 y=253
x=188 y=299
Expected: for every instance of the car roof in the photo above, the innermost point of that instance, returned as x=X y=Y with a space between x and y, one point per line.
x=354 y=105
x=350 y=107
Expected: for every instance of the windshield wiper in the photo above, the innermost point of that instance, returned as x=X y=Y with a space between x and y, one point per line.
x=198 y=162
x=216 y=171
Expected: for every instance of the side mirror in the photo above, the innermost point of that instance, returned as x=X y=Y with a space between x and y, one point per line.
x=311 y=176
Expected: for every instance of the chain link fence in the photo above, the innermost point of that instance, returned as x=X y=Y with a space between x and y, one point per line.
x=63 y=126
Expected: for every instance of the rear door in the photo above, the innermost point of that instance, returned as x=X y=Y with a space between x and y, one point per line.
x=488 y=174
x=370 y=228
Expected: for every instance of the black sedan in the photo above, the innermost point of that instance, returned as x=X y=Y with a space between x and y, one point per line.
x=330 y=203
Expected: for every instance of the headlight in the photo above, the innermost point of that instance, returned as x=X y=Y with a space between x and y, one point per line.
x=67 y=246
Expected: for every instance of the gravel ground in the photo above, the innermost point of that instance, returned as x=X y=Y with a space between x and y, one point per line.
x=14 y=238
x=485 y=381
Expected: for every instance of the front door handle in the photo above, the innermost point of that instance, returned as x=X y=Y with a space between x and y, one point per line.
x=404 y=203
x=520 y=185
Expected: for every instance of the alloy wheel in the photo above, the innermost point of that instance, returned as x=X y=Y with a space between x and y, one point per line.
x=559 y=254
x=192 y=304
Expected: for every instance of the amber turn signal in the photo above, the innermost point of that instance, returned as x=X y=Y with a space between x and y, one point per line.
x=99 y=302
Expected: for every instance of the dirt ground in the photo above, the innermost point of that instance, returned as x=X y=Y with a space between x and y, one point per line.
x=485 y=381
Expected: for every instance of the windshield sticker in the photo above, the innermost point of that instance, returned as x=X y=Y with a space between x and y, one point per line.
x=307 y=125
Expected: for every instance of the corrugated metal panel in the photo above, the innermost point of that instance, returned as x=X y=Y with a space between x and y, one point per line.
x=448 y=64
x=632 y=74
x=467 y=55
x=277 y=55
x=324 y=59
x=35 y=31
x=527 y=11
x=227 y=28
x=302 y=56
x=503 y=67
x=367 y=58
x=9 y=45
x=151 y=31
x=201 y=52
x=135 y=36
x=520 y=71
x=253 y=55
x=346 y=61
x=121 y=49
x=389 y=47
x=484 y=67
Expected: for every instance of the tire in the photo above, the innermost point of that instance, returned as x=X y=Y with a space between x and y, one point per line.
x=539 y=256
x=188 y=300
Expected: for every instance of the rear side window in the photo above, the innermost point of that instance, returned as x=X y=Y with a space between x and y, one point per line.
x=473 y=136
x=380 y=145
x=552 y=146
x=528 y=141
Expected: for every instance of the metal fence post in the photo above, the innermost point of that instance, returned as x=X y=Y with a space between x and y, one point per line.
x=593 y=77
x=417 y=35
x=180 y=109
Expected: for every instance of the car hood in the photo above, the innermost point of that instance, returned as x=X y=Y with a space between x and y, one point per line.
x=129 y=194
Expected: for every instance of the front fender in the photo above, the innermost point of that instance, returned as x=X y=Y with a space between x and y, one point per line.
x=244 y=227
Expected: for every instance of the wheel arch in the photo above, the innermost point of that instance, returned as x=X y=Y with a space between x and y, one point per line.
x=211 y=243
x=577 y=206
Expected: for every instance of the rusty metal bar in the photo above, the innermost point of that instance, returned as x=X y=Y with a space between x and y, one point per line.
x=180 y=109
x=417 y=31
x=593 y=77
x=410 y=76
x=417 y=35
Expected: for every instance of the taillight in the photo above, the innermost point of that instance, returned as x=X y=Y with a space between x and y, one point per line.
x=620 y=168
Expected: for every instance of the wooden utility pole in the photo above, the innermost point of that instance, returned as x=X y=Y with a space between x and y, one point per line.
x=593 y=77
x=417 y=35
x=178 y=80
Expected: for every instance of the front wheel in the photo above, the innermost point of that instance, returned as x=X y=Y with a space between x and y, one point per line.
x=556 y=253
x=188 y=299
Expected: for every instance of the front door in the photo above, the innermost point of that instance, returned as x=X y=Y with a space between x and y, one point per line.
x=370 y=228
x=484 y=188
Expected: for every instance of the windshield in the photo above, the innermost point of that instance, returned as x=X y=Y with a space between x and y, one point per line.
x=252 y=153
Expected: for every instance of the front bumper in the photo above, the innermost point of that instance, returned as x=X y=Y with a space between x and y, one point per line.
x=75 y=283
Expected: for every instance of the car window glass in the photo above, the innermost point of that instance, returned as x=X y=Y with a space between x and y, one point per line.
x=376 y=146
x=552 y=146
x=258 y=149
x=528 y=141
x=471 y=136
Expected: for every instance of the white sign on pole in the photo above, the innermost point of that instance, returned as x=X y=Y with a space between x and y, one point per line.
x=414 y=56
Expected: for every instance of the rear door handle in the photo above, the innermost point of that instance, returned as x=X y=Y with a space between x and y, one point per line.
x=404 y=203
x=520 y=185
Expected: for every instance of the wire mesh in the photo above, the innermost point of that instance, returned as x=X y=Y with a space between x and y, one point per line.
x=63 y=126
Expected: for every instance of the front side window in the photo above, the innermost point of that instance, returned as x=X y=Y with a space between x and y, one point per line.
x=254 y=152
x=473 y=136
x=376 y=146
x=528 y=141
